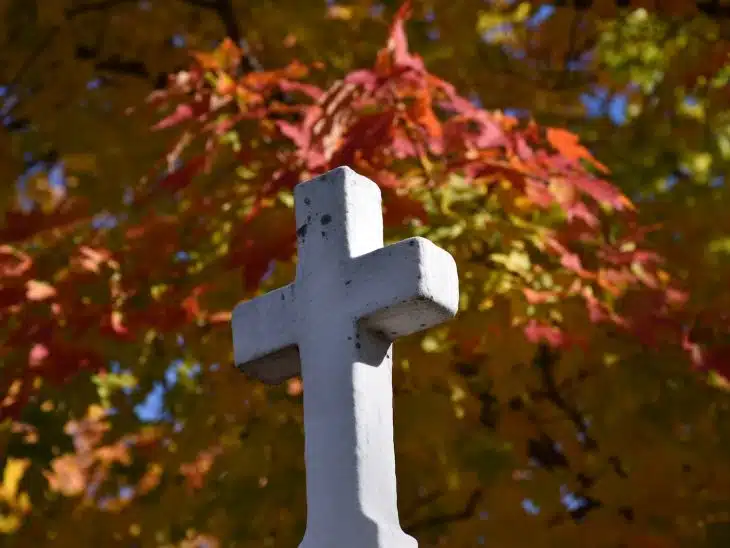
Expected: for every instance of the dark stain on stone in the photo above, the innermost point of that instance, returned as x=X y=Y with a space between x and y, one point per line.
x=282 y=297
x=309 y=218
x=326 y=219
x=393 y=333
x=302 y=230
x=307 y=201
x=411 y=243
x=324 y=235
x=357 y=345
x=348 y=282
x=423 y=325
x=349 y=338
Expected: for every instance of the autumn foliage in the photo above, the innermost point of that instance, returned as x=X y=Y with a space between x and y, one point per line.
x=564 y=296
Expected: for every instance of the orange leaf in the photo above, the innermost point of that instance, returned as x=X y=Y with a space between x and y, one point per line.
x=66 y=476
x=13 y=262
x=566 y=143
x=39 y=291
x=93 y=258
x=422 y=112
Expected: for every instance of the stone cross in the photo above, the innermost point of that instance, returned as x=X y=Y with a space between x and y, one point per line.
x=335 y=325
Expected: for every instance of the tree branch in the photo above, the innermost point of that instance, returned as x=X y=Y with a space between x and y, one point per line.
x=42 y=45
x=545 y=360
x=422 y=501
x=91 y=7
x=445 y=519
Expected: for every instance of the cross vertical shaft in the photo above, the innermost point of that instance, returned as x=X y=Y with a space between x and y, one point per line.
x=344 y=422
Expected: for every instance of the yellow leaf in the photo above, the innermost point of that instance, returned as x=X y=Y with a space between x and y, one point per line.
x=14 y=470
x=9 y=524
x=343 y=13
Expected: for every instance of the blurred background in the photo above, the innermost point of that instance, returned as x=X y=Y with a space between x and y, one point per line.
x=572 y=156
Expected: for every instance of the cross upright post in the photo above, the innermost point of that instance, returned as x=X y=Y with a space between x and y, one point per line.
x=335 y=325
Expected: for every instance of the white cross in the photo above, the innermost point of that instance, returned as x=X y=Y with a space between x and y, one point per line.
x=335 y=325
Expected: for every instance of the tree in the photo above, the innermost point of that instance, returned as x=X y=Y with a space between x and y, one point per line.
x=560 y=405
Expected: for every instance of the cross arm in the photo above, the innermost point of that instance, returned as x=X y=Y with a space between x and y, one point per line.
x=404 y=288
x=264 y=336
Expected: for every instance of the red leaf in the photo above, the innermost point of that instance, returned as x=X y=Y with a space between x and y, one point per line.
x=571 y=261
x=403 y=146
x=399 y=208
x=580 y=211
x=364 y=138
x=398 y=42
x=523 y=149
x=60 y=361
x=182 y=113
x=312 y=91
x=601 y=191
x=537 y=332
x=596 y=312
x=538 y=193
x=37 y=354
x=255 y=243
x=298 y=135
x=490 y=135
x=13 y=263
x=364 y=78
x=538 y=297
x=182 y=177
x=394 y=59
x=191 y=305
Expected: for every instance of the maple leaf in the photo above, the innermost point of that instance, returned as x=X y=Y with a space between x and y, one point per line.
x=566 y=144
